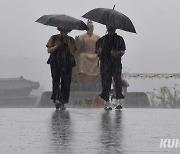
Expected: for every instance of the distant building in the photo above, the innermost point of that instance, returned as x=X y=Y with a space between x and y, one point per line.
x=17 y=91
x=17 y=86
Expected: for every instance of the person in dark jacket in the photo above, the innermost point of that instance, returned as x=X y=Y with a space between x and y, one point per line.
x=61 y=48
x=110 y=49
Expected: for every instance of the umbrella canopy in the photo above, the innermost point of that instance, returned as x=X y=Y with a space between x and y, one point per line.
x=62 y=21
x=110 y=17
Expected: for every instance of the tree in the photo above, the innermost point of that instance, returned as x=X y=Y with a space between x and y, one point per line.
x=165 y=98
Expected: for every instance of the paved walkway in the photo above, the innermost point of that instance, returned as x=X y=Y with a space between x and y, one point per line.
x=87 y=131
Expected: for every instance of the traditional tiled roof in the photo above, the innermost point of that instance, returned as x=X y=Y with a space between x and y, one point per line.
x=17 y=83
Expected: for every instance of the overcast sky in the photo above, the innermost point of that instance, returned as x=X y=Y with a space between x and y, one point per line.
x=154 y=49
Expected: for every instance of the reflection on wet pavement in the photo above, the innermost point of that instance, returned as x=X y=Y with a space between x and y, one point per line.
x=111 y=135
x=87 y=131
x=61 y=131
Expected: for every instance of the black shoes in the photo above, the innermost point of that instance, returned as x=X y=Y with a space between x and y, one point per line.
x=57 y=105
x=62 y=107
x=60 y=104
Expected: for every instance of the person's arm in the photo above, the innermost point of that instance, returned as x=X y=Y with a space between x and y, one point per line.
x=116 y=53
x=52 y=45
x=53 y=48
x=120 y=49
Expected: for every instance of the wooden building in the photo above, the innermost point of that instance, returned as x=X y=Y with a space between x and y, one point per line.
x=17 y=91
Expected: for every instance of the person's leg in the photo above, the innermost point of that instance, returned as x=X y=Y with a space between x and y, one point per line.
x=65 y=86
x=117 y=69
x=106 y=85
x=118 y=85
x=106 y=79
x=56 y=82
x=52 y=69
x=52 y=72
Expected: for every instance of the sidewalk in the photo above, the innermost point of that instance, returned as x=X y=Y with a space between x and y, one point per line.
x=87 y=131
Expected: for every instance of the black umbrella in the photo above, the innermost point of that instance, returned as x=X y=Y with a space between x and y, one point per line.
x=62 y=21
x=110 y=17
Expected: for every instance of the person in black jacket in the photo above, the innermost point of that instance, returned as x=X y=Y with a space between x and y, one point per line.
x=110 y=49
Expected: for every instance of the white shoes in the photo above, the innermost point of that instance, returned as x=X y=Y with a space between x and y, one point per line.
x=116 y=103
x=119 y=104
x=107 y=105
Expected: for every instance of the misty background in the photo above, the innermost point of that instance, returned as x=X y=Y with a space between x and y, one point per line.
x=154 y=49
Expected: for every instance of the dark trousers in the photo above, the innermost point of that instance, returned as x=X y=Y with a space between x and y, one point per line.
x=111 y=69
x=61 y=82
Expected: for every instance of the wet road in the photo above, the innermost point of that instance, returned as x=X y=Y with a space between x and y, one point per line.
x=89 y=131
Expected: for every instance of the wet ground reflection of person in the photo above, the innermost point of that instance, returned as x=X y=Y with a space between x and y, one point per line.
x=111 y=136
x=61 y=132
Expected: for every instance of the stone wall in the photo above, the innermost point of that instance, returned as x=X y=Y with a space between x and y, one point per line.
x=85 y=88
x=86 y=98
x=136 y=99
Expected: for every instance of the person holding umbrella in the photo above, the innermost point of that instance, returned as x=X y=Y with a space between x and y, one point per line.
x=110 y=49
x=60 y=47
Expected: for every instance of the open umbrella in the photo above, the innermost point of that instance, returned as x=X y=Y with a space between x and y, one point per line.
x=62 y=21
x=110 y=17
